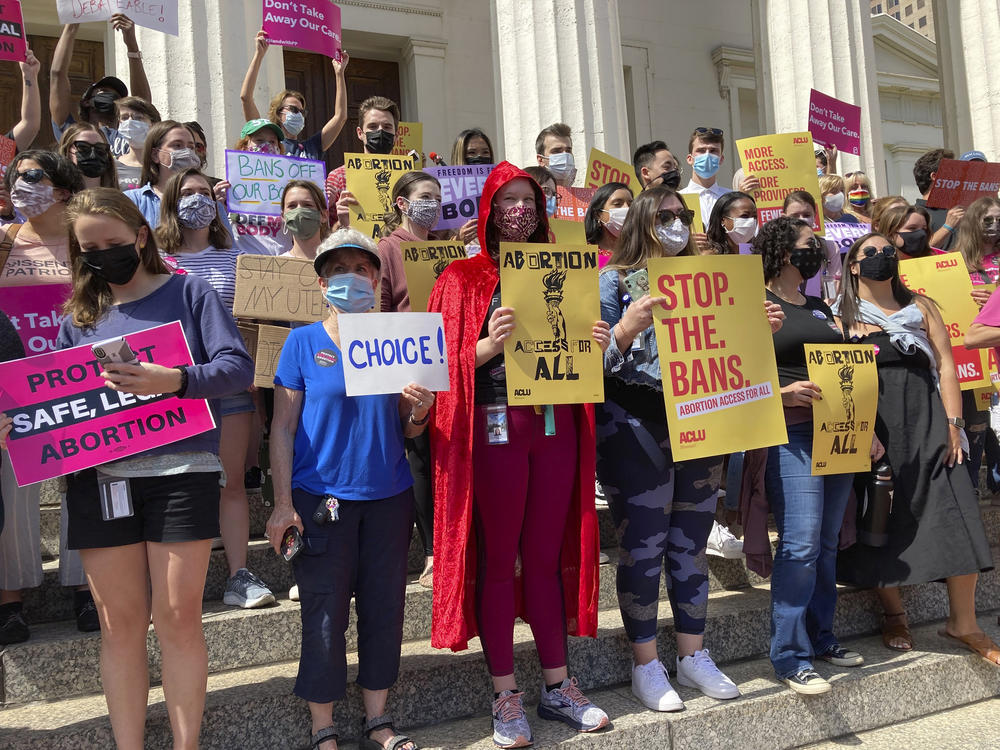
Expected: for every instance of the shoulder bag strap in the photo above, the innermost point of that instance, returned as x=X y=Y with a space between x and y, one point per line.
x=7 y=243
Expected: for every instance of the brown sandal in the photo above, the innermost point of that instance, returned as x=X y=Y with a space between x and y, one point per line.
x=979 y=643
x=900 y=630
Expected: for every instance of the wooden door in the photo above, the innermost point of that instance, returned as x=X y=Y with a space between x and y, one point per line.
x=312 y=74
x=86 y=67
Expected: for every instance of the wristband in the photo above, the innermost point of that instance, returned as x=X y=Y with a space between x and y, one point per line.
x=949 y=227
x=184 y=381
x=420 y=422
x=135 y=55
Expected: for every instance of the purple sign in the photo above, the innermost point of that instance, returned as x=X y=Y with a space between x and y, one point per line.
x=835 y=123
x=461 y=187
x=311 y=25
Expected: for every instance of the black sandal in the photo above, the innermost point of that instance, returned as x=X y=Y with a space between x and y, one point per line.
x=323 y=735
x=396 y=742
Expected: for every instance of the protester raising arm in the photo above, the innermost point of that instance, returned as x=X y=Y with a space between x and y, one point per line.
x=136 y=72
x=60 y=95
x=31 y=104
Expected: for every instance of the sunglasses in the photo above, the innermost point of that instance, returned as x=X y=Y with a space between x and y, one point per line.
x=87 y=150
x=708 y=131
x=31 y=175
x=666 y=216
x=871 y=251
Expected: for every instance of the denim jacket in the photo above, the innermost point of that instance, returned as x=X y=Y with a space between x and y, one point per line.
x=640 y=365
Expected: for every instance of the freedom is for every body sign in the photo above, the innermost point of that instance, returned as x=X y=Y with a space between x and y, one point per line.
x=312 y=25
x=720 y=379
x=66 y=419
x=256 y=181
x=460 y=190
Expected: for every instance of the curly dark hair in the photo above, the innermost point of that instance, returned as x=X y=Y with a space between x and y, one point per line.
x=774 y=241
x=60 y=170
x=591 y=225
x=927 y=164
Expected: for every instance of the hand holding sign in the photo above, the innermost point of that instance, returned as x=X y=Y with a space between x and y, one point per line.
x=421 y=400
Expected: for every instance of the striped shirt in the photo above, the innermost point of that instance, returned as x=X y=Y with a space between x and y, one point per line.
x=217 y=267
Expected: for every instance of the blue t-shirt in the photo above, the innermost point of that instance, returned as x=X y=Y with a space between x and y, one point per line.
x=350 y=447
x=310 y=148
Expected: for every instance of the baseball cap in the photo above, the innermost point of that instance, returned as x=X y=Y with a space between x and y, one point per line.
x=333 y=243
x=973 y=156
x=259 y=124
x=108 y=82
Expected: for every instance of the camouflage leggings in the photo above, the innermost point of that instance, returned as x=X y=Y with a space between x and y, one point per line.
x=663 y=512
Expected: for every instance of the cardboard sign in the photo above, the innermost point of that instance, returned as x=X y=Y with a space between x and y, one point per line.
x=603 y=168
x=13 y=45
x=257 y=180
x=267 y=352
x=384 y=352
x=460 y=190
x=275 y=288
x=36 y=313
x=573 y=203
x=160 y=15
x=552 y=357
x=66 y=419
x=409 y=137
x=370 y=179
x=423 y=263
x=568 y=232
x=8 y=150
x=720 y=379
x=783 y=163
x=835 y=123
x=944 y=279
x=844 y=419
x=958 y=183
x=310 y=25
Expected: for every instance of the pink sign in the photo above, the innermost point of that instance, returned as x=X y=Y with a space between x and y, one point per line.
x=36 y=312
x=12 y=43
x=66 y=419
x=311 y=25
x=835 y=123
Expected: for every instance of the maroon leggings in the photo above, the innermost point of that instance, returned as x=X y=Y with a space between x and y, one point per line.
x=522 y=492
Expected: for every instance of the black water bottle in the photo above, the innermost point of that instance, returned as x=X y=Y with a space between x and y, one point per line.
x=872 y=529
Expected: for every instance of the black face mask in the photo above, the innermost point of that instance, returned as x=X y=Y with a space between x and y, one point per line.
x=915 y=243
x=380 y=141
x=103 y=102
x=807 y=260
x=671 y=179
x=92 y=166
x=478 y=160
x=116 y=265
x=879 y=267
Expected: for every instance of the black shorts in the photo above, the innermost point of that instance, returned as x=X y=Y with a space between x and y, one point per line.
x=177 y=508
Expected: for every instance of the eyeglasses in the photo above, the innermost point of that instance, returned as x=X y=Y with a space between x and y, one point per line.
x=291 y=108
x=871 y=251
x=86 y=150
x=708 y=131
x=666 y=216
x=31 y=175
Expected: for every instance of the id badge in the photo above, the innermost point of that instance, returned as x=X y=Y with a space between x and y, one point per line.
x=496 y=425
x=116 y=497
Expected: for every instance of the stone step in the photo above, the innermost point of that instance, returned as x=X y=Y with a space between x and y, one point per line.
x=254 y=708
x=738 y=628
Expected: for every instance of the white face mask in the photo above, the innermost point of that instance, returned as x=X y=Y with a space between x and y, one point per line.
x=562 y=166
x=674 y=236
x=616 y=218
x=834 y=204
x=134 y=131
x=32 y=198
x=743 y=230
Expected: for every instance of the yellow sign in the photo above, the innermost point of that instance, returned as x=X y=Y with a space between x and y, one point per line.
x=423 y=262
x=568 y=232
x=692 y=201
x=945 y=280
x=409 y=137
x=720 y=380
x=604 y=168
x=844 y=419
x=551 y=357
x=370 y=179
x=783 y=163
x=984 y=397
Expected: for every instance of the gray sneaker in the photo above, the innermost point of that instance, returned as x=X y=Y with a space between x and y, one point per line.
x=510 y=723
x=566 y=703
x=246 y=590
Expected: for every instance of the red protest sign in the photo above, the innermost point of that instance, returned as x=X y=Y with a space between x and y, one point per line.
x=311 y=25
x=8 y=150
x=12 y=43
x=573 y=202
x=835 y=123
x=958 y=183
x=66 y=419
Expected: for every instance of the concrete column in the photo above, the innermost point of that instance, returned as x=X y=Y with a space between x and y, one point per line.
x=968 y=48
x=559 y=61
x=197 y=75
x=803 y=44
x=735 y=68
x=424 y=93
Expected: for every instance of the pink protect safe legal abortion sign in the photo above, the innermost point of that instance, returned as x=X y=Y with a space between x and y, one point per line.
x=66 y=419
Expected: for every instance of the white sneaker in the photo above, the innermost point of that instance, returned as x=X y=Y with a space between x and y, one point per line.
x=293 y=593
x=599 y=499
x=722 y=543
x=699 y=671
x=651 y=686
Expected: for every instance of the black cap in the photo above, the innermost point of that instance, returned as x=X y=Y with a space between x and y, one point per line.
x=108 y=82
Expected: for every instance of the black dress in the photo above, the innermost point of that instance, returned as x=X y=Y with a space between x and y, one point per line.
x=935 y=529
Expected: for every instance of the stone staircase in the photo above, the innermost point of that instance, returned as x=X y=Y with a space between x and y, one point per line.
x=51 y=693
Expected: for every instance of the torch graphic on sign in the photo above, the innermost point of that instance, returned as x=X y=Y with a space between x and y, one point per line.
x=382 y=179
x=846 y=375
x=553 y=292
x=439 y=267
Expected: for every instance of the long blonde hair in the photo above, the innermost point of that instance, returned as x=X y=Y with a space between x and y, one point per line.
x=638 y=241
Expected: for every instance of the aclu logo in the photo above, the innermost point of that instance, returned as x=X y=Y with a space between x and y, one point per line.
x=800 y=139
x=946 y=263
x=821 y=464
x=692 y=436
x=522 y=391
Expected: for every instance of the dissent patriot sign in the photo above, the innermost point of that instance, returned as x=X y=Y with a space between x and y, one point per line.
x=256 y=180
x=66 y=419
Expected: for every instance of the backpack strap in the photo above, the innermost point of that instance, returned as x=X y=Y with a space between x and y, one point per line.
x=8 y=242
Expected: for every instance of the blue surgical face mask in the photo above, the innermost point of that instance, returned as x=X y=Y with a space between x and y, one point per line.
x=819 y=171
x=350 y=292
x=706 y=165
x=550 y=205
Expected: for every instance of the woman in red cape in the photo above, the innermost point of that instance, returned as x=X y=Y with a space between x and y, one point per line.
x=518 y=499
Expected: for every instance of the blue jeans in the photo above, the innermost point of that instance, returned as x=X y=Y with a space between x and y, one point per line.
x=809 y=512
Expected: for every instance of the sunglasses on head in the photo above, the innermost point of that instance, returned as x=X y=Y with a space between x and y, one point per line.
x=666 y=216
x=86 y=149
x=870 y=251
x=31 y=175
x=708 y=131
